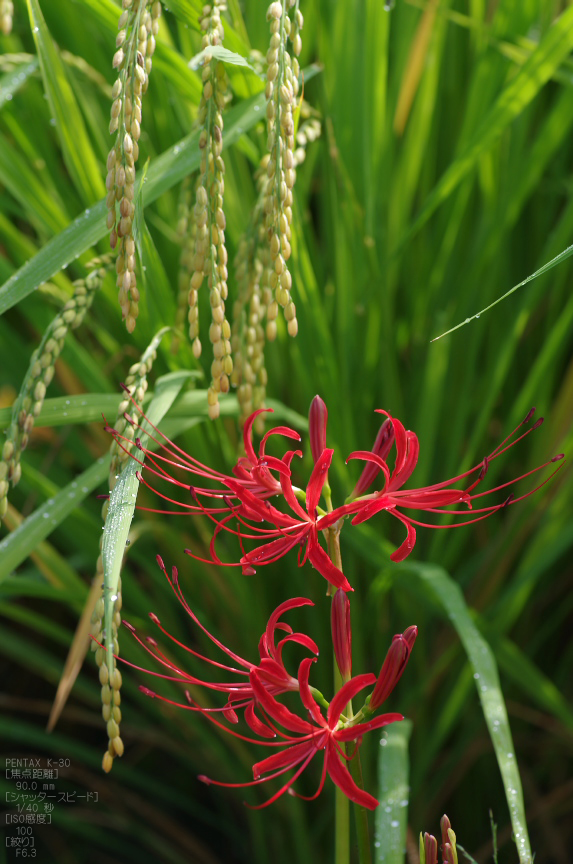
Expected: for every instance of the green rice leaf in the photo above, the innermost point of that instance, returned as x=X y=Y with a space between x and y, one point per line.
x=217 y=52
x=553 y=48
x=16 y=547
x=122 y=504
x=450 y=597
x=563 y=256
x=77 y=150
x=393 y=790
x=11 y=82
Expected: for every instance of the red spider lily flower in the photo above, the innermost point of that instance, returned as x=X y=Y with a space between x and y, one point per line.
x=432 y=499
x=301 y=529
x=320 y=734
x=341 y=633
x=270 y=669
x=252 y=484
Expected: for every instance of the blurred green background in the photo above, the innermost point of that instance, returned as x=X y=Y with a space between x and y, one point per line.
x=442 y=178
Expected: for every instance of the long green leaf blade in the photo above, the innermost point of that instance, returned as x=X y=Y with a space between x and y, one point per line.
x=449 y=595
x=16 y=547
x=77 y=150
x=393 y=791
x=563 y=256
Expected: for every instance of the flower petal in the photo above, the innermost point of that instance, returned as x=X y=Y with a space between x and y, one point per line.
x=277 y=430
x=306 y=696
x=248 y=434
x=378 y=464
x=277 y=711
x=272 y=672
x=319 y=559
x=345 y=694
x=293 y=603
x=408 y=462
x=404 y=550
x=257 y=725
x=288 y=491
x=269 y=552
x=289 y=757
x=317 y=480
x=340 y=776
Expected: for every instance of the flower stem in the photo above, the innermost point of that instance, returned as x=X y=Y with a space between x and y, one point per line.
x=342 y=815
x=341 y=807
x=360 y=813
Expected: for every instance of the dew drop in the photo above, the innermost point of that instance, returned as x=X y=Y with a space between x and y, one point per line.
x=394 y=823
x=476 y=675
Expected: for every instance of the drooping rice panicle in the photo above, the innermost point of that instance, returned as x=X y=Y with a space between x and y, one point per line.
x=6 y=16
x=40 y=373
x=136 y=384
x=210 y=259
x=187 y=232
x=255 y=302
x=135 y=43
x=281 y=91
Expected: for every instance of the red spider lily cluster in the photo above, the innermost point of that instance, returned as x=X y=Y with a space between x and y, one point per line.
x=239 y=504
x=256 y=688
x=302 y=518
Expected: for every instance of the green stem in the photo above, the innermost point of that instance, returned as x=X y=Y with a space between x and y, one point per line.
x=342 y=803
x=341 y=807
x=360 y=813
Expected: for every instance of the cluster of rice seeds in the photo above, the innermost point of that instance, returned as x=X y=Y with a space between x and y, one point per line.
x=110 y=682
x=187 y=233
x=281 y=91
x=255 y=301
x=135 y=42
x=40 y=373
x=6 y=13
x=210 y=258
x=136 y=384
x=249 y=310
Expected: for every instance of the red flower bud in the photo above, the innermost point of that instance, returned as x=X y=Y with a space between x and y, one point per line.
x=393 y=666
x=431 y=849
x=381 y=448
x=317 y=420
x=342 y=633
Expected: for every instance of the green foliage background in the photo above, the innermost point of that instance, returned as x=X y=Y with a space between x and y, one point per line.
x=442 y=178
